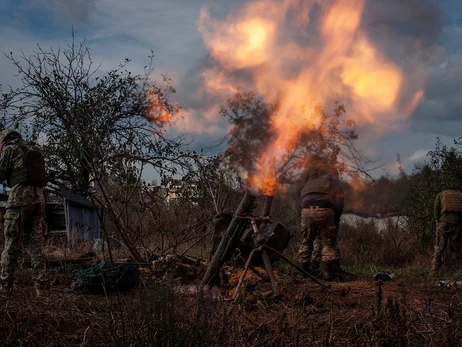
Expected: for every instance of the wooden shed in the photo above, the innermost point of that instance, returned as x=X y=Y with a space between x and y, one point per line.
x=71 y=215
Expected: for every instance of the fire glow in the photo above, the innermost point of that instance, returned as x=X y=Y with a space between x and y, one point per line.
x=307 y=61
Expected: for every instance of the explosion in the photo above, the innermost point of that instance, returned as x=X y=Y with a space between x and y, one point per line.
x=304 y=53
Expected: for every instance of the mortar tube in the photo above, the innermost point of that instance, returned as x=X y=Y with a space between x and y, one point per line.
x=217 y=260
x=267 y=207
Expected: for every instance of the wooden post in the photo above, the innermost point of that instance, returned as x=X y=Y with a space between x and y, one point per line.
x=228 y=238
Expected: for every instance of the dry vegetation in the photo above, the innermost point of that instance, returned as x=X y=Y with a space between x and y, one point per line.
x=410 y=310
x=95 y=126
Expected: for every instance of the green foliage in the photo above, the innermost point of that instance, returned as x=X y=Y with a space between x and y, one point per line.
x=443 y=170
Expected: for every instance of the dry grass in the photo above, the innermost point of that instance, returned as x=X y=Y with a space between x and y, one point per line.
x=359 y=313
x=362 y=244
x=408 y=311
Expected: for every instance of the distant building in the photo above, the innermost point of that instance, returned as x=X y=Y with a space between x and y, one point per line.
x=173 y=189
x=71 y=215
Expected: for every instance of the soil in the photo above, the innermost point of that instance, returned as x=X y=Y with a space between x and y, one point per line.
x=359 y=312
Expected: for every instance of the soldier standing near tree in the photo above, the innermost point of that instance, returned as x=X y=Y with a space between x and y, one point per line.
x=23 y=168
x=448 y=217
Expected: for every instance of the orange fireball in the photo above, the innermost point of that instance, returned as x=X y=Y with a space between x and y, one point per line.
x=302 y=63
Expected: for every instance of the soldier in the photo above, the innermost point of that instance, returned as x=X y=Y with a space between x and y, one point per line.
x=320 y=203
x=22 y=166
x=448 y=217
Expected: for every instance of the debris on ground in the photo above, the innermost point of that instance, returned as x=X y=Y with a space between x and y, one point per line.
x=212 y=292
x=449 y=283
x=384 y=276
x=105 y=279
x=178 y=268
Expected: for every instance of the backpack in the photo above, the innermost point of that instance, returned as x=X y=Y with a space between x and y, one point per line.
x=317 y=185
x=32 y=171
x=451 y=201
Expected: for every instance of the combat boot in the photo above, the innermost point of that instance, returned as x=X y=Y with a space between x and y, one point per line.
x=340 y=274
x=328 y=274
x=315 y=267
x=336 y=266
x=305 y=266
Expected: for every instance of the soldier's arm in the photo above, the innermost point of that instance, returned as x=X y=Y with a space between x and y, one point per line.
x=5 y=163
x=437 y=208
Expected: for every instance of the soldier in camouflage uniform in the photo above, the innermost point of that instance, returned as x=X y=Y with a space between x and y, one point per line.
x=24 y=217
x=320 y=203
x=448 y=217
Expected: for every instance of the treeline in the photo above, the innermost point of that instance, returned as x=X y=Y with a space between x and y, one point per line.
x=411 y=195
x=104 y=128
x=380 y=197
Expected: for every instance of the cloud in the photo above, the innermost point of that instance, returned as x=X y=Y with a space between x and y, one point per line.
x=423 y=40
x=67 y=11
x=443 y=98
x=418 y=156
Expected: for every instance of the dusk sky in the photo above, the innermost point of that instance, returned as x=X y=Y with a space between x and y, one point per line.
x=181 y=34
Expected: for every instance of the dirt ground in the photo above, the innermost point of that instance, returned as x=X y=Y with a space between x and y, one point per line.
x=362 y=312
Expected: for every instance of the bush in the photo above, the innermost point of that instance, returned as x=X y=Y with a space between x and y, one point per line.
x=442 y=171
x=364 y=245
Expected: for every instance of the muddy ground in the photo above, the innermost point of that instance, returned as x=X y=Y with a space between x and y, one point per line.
x=362 y=312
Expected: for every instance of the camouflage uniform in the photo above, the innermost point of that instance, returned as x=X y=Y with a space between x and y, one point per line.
x=23 y=220
x=316 y=257
x=448 y=216
x=319 y=233
x=320 y=216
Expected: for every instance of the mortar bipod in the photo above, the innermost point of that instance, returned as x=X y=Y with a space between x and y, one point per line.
x=261 y=248
x=258 y=242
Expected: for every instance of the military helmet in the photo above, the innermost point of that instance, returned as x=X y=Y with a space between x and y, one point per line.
x=8 y=135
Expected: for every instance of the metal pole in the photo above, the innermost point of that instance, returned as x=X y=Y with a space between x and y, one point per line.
x=270 y=273
x=217 y=260
x=267 y=207
x=241 y=279
x=314 y=279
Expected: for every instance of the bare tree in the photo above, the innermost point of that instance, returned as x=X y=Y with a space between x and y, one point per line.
x=218 y=188
x=91 y=123
x=94 y=126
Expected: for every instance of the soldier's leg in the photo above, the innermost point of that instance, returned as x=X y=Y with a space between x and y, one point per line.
x=36 y=241
x=441 y=242
x=13 y=246
x=328 y=233
x=309 y=234
x=316 y=255
x=337 y=266
x=456 y=244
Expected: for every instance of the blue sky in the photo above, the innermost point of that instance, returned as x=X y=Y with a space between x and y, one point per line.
x=117 y=29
